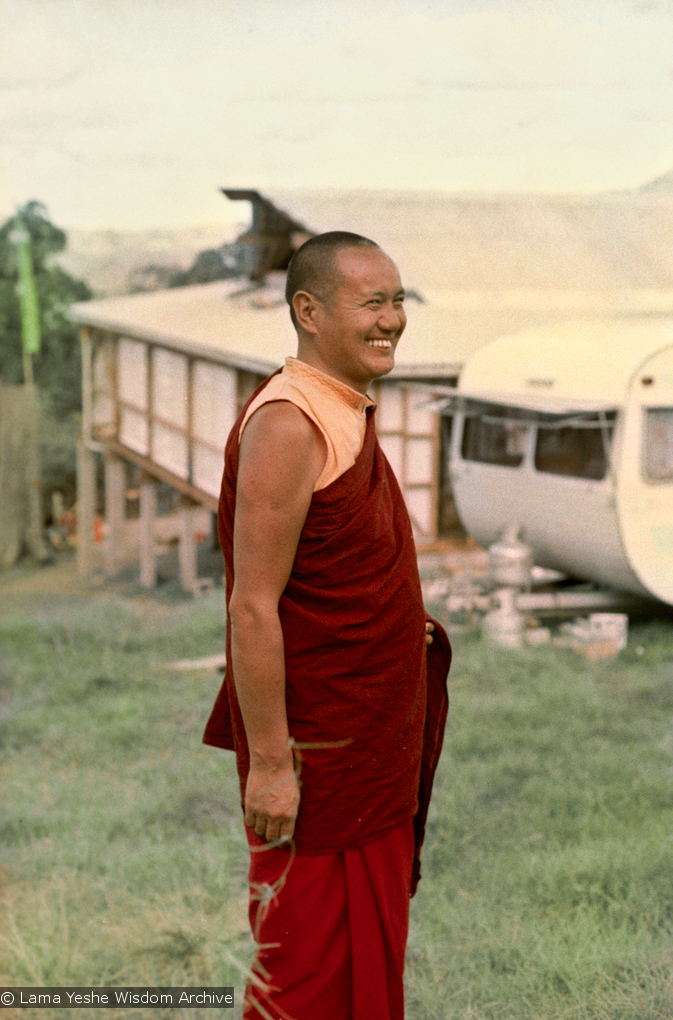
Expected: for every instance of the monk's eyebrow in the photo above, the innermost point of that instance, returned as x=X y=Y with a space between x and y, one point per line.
x=381 y=296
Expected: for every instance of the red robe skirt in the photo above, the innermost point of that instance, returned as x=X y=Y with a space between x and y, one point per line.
x=331 y=931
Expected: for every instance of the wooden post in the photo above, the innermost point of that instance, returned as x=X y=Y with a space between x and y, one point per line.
x=86 y=468
x=86 y=507
x=34 y=539
x=20 y=498
x=57 y=506
x=148 y=551
x=187 y=546
x=115 y=511
x=87 y=384
x=13 y=504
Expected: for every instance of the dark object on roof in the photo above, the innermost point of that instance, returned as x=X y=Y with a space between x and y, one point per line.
x=273 y=237
x=224 y=263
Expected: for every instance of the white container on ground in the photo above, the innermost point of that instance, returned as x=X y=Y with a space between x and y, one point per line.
x=505 y=626
x=610 y=627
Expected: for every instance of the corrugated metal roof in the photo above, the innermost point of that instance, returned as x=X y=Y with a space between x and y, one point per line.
x=209 y=319
x=251 y=328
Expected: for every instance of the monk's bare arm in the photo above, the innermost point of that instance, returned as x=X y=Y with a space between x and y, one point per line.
x=281 y=455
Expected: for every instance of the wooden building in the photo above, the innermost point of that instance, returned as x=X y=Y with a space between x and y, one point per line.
x=165 y=376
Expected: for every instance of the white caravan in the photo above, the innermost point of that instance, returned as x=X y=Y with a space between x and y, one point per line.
x=567 y=432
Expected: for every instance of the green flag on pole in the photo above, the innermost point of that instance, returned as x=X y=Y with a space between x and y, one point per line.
x=30 y=309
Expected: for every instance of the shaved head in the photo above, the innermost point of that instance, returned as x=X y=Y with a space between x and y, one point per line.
x=313 y=266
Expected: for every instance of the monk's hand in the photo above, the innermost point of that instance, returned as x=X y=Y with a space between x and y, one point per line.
x=429 y=627
x=272 y=799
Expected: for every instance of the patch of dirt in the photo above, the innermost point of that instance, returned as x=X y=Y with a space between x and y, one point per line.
x=22 y=588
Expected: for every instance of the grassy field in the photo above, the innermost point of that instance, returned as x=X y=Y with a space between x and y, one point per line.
x=548 y=869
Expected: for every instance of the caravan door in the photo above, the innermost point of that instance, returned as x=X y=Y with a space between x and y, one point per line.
x=645 y=475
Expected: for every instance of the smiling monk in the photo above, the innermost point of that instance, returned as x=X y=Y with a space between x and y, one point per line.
x=335 y=693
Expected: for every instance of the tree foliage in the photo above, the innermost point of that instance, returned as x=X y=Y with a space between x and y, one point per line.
x=57 y=367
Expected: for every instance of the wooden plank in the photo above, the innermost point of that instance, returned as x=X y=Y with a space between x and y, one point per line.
x=87 y=382
x=187 y=549
x=186 y=488
x=115 y=511
x=148 y=550
x=191 y=665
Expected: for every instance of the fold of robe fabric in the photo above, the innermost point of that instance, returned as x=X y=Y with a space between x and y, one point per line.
x=331 y=931
x=365 y=712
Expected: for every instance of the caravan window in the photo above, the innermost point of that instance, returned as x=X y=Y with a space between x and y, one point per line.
x=658 y=466
x=578 y=452
x=488 y=441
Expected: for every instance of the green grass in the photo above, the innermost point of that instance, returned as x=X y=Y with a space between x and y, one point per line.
x=547 y=889
x=548 y=870
x=123 y=859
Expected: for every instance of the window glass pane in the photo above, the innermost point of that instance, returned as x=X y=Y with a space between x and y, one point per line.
x=659 y=444
x=389 y=410
x=493 y=442
x=169 y=386
x=392 y=447
x=577 y=452
x=132 y=373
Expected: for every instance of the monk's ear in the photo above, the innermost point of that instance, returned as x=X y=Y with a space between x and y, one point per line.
x=305 y=306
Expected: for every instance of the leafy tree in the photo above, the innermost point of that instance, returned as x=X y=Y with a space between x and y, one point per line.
x=57 y=366
x=224 y=263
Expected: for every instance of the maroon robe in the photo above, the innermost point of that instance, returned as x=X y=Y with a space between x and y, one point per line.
x=366 y=714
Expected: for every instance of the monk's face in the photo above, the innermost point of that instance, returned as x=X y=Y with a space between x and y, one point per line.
x=361 y=320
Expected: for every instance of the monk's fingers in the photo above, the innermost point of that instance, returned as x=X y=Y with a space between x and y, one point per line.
x=287 y=830
x=268 y=827
x=256 y=822
x=272 y=830
x=280 y=824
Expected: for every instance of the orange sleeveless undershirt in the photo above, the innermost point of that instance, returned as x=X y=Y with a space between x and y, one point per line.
x=338 y=411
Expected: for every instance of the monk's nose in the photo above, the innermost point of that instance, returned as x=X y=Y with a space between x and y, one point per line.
x=391 y=319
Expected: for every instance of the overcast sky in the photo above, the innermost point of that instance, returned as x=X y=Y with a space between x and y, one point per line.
x=132 y=113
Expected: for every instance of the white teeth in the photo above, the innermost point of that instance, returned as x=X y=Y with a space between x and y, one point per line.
x=379 y=343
